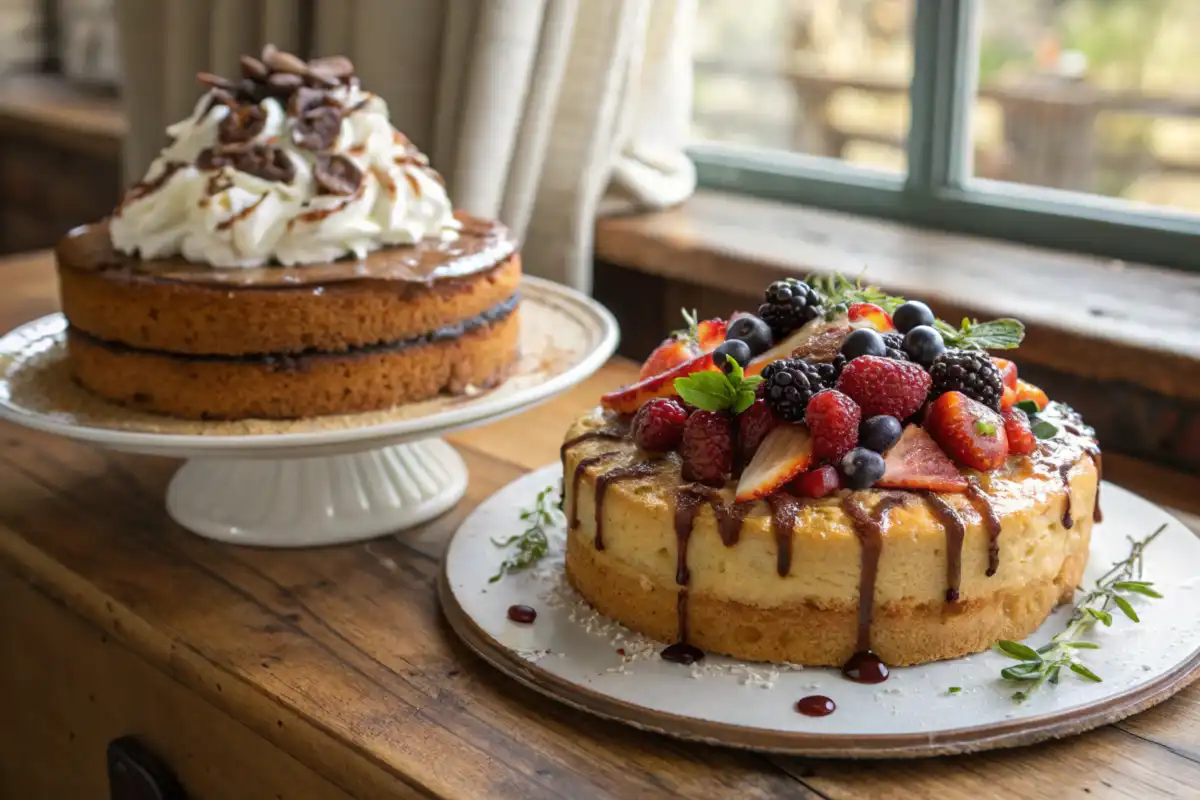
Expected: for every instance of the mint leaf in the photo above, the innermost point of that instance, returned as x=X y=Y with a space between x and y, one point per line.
x=745 y=399
x=998 y=334
x=708 y=390
x=1028 y=406
x=1043 y=429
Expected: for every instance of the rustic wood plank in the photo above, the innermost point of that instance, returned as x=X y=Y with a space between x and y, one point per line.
x=1085 y=316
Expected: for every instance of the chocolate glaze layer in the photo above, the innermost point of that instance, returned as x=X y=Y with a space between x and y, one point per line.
x=449 y=333
x=481 y=245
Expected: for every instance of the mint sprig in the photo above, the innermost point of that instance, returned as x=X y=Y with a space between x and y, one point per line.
x=998 y=334
x=1113 y=589
x=715 y=391
x=841 y=293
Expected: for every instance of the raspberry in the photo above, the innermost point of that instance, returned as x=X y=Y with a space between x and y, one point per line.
x=970 y=432
x=707 y=447
x=885 y=386
x=790 y=383
x=833 y=420
x=790 y=303
x=1021 y=441
x=817 y=482
x=658 y=424
x=969 y=372
x=753 y=426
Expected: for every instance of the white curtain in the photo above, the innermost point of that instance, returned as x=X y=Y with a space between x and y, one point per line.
x=541 y=113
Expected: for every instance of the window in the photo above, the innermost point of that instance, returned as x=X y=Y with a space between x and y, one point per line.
x=1062 y=123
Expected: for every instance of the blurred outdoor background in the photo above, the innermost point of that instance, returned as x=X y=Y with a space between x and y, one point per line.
x=1094 y=96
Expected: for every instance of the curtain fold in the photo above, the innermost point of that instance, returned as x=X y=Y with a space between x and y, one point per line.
x=541 y=113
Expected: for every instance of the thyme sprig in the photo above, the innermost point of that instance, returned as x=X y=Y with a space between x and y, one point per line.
x=840 y=293
x=532 y=544
x=1113 y=589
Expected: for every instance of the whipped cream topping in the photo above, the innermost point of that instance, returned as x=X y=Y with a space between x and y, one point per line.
x=306 y=176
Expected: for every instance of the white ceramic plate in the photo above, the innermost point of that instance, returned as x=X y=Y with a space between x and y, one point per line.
x=571 y=653
x=565 y=337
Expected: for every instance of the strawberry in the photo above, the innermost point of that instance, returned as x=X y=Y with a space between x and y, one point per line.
x=784 y=454
x=1027 y=391
x=707 y=447
x=916 y=462
x=1008 y=371
x=970 y=432
x=885 y=386
x=658 y=424
x=753 y=426
x=833 y=420
x=869 y=315
x=1021 y=441
x=671 y=353
x=1008 y=398
x=817 y=482
x=710 y=333
x=629 y=399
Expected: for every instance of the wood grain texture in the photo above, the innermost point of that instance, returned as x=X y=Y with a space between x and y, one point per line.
x=1085 y=316
x=340 y=660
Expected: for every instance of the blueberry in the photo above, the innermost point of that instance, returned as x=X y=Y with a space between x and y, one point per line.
x=751 y=330
x=863 y=342
x=879 y=433
x=911 y=314
x=923 y=344
x=734 y=349
x=862 y=468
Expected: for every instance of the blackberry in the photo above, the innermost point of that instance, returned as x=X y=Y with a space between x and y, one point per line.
x=789 y=304
x=895 y=346
x=969 y=372
x=830 y=371
x=790 y=383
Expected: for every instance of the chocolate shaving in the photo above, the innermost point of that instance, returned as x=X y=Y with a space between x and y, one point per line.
x=337 y=175
x=216 y=81
x=317 y=128
x=266 y=161
x=242 y=124
x=254 y=69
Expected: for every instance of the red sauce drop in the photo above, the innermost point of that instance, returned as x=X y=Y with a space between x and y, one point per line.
x=621 y=651
x=816 y=705
x=523 y=614
x=865 y=667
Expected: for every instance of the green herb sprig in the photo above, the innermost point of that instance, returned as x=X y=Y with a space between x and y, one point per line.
x=840 y=293
x=1039 y=423
x=713 y=390
x=1113 y=589
x=998 y=334
x=532 y=544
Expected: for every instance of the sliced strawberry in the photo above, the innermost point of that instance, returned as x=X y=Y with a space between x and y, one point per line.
x=784 y=454
x=668 y=355
x=817 y=482
x=1021 y=441
x=753 y=426
x=1008 y=371
x=863 y=315
x=629 y=399
x=916 y=462
x=970 y=432
x=710 y=333
x=1008 y=398
x=1027 y=391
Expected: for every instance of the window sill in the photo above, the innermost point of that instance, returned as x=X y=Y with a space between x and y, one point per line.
x=51 y=110
x=1087 y=317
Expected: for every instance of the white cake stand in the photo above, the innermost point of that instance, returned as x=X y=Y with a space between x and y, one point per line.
x=322 y=481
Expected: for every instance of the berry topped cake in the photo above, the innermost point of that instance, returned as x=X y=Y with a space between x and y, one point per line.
x=288 y=254
x=840 y=479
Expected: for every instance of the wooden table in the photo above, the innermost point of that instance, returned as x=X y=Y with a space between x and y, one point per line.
x=331 y=674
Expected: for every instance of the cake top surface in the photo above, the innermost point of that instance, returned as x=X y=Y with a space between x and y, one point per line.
x=291 y=164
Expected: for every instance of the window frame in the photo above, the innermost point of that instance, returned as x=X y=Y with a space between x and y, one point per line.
x=938 y=189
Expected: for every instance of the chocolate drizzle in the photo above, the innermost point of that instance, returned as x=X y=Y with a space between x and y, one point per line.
x=956 y=531
x=681 y=652
x=784 y=509
x=687 y=503
x=640 y=469
x=864 y=666
x=1064 y=471
x=991 y=522
x=730 y=518
x=580 y=468
x=1098 y=460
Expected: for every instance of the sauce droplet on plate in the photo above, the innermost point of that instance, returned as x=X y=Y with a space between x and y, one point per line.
x=523 y=614
x=865 y=667
x=682 y=653
x=816 y=705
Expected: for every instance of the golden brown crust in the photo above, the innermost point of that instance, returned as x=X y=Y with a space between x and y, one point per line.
x=901 y=633
x=180 y=317
x=309 y=385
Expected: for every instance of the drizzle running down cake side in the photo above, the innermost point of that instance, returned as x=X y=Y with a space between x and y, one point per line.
x=289 y=254
x=890 y=499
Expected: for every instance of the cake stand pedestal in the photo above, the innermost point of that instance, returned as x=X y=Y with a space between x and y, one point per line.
x=303 y=483
x=303 y=502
